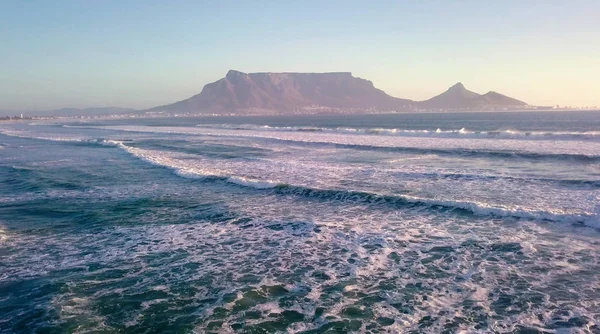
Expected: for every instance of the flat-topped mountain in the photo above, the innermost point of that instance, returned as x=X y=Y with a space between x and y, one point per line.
x=280 y=93
x=288 y=91
x=283 y=92
x=458 y=97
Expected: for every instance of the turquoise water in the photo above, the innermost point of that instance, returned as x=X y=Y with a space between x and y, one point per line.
x=383 y=223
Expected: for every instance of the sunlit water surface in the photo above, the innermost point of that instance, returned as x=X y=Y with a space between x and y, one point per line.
x=308 y=224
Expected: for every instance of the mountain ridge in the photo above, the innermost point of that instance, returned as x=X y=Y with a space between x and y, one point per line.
x=459 y=97
x=292 y=91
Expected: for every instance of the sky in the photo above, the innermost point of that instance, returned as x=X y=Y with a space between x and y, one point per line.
x=141 y=54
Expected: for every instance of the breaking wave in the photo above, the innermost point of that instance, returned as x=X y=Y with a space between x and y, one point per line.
x=26 y=135
x=491 y=149
x=581 y=158
x=454 y=133
x=477 y=208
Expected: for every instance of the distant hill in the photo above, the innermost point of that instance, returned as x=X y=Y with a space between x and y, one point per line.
x=458 y=97
x=455 y=97
x=287 y=91
x=497 y=99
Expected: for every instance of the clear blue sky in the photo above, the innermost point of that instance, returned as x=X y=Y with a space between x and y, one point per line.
x=145 y=53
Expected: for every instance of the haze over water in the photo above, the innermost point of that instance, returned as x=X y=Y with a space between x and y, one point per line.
x=474 y=222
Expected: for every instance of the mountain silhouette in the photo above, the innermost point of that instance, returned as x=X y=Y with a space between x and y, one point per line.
x=284 y=92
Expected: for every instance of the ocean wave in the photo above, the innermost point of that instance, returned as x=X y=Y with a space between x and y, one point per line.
x=26 y=135
x=76 y=140
x=550 y=150
x=580 y=158
x=191 y=172
x=476 y=208
x=492 y=177
x=453 y=133
x=266 y=184
x=465 y=152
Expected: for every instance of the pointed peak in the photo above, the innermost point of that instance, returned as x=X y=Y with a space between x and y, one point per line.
x=494 y=94
x=458 y=85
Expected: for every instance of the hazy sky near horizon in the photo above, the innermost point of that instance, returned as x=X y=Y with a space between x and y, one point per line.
x=141 y=54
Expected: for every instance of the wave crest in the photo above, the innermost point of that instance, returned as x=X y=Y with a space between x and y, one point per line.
x=452 y=133
x=475 y=208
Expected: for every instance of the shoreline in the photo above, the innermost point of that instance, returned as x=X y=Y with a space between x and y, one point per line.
x=176 y=115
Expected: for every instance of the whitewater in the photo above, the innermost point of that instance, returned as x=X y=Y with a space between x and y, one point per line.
x=478 y=222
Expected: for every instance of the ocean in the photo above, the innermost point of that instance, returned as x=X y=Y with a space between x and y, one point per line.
x=396 y=223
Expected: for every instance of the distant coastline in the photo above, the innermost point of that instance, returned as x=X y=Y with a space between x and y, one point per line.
x=15 y=119
x=265 y=93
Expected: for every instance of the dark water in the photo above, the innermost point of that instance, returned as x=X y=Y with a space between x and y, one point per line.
x=479 y=222
x=527 y=121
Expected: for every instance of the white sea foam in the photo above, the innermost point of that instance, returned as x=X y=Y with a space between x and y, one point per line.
x=243 y=181
x=198 y=169
x=307 y=174
x=185 y=169
x=591 y=219
x=506 y=146
x=508 y=133
x=336 y=228
x=228 y=252
x=48 y=137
